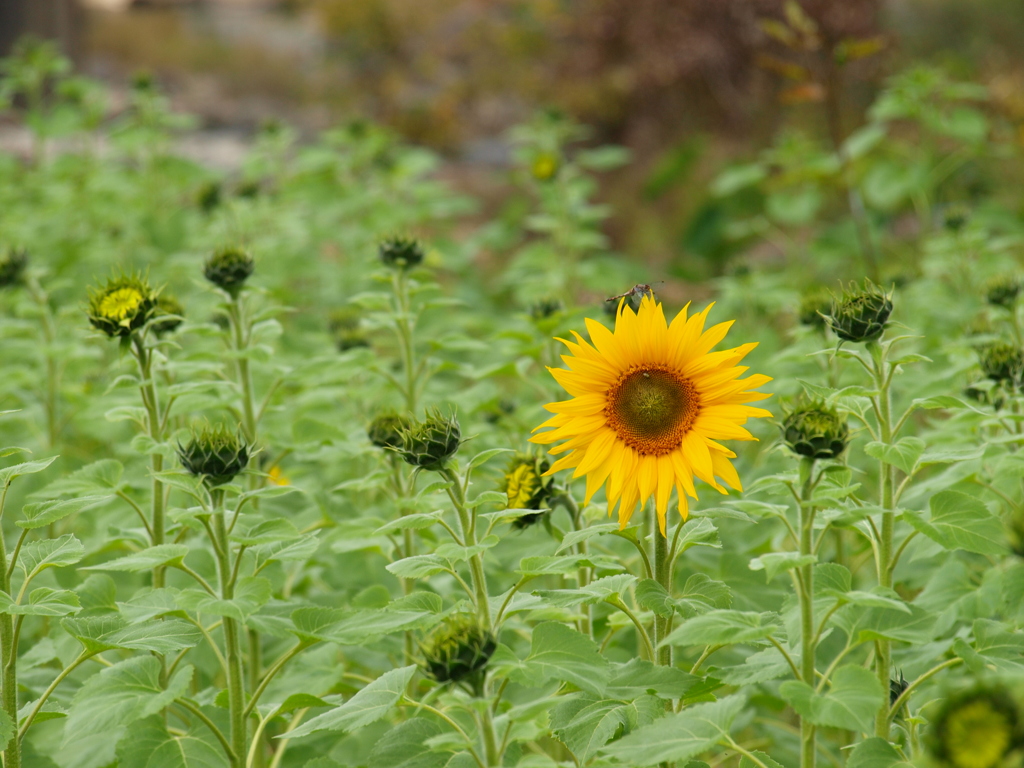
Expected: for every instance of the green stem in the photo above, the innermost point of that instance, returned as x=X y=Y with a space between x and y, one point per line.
x=12 y=752
x=52 y=402
x=883 y=659
x=404 y=330
x=805 y=585
x=255 y=662
x=240 y=340
x=236 y=684
x=82 y=657
x=476 y=566
x=154 y=425
x=491 y=752
x=663 y=575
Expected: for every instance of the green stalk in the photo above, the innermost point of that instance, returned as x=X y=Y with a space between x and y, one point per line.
x=883 y=656
x=240 y=341
x=154 y=426
x=404 y=331
x=259 y=757
x=806 y=595
x=12 y=752
x=52 y=402
x=236 y=685
x=476 y=566
x=663 y=575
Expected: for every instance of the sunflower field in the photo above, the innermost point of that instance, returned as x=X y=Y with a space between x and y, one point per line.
x=317 y=464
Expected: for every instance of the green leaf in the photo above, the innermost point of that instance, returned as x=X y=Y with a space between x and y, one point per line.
x=724 y=628
x=37 y=556
x=560 y=653
x=407 y=746
x=410 y=522
x=122 y=694
x=854 y=699
x=251 y=594
x=585 y=725
x=7 y=728
x=759 y=667
x=863 y=624
x=42 y=602
x=652 y=596
x=45 y=512
x=637 y=677
x=775 y=563
x=607 y=588
x=26 y=468
x=566 y=564
x=102 y=475
x=572 y=538
x=146 y=560
x=484 y=456
x=1000 y=646
x=100 y=633
x=746 y=762
x=267 y=532
x=875 y=753
x=417 y=566
x=698 y=532
x=903 y=454
x=679 y=736
x=368 y=705
x=959 y=521
x=150 y=745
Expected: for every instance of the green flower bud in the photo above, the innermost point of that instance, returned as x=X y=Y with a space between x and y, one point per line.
x=169 y=315
x=896 y=688
x=400 y=252
x=525 y=487
x=815 y=431
x=122 y=306
x=430 y=443
x=208 y=197
x=458 y=651
x=12 y=266
x=545 y=308
x=1002 y=362
x=814 y=306
x=229 y=268
x=1002 y=291
x=215 y=454
x=386 y=430
x=860 y=314
x=975 y=728
x=956 y=217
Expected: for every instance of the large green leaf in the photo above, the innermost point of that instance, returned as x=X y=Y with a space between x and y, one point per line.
x=875 y=753
x=43 y=513
x=560 y=653
x=42 y=602
x=146 y=560
x=959 y=521
x=586 y=724
x=150 y=745
x=679 y=736
x=102 y=475
x=37 y=556
x=903 y=454
x=124 y=693
x=407 y=746
x=853 y=700
x=994 y=644
x=725 y=628
x=26 y=468
x=367 y=706
x=100 y=633
x=638 y=676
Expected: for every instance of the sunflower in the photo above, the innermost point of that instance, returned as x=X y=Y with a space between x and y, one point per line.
x=650 y=401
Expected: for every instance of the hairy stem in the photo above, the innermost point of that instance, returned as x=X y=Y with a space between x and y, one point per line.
x=233 y=655
x=808 y=637
x=663 y=575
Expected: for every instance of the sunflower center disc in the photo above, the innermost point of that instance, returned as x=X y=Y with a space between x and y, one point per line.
x=118 y=304
x=652 y=409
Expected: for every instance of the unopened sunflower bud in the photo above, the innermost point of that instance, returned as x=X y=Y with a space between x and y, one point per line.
x=956 y=216
x=344 y=325
x=1002 y=291
x=214 y=453
x=860 y=314
x=168 y=316
x=525 y=487
x=228 y=269
x=458 y=651
x=896 y=688
x=430 y=443
x=123 y=305
x=1002 y=362
x=209 y=196
x=975 y=729
x=815 y=431
x=814 y=306
x=400 y=252
x=386 y=430
x=12 y=266
x=545 y=308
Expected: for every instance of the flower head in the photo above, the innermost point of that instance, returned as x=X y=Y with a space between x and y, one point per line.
x=400 y=252
x=229 y=268
x=543 y=309
x=544 y=166
x=12 y=266
x=814 y=307
x=458 y=650
x=525 y=487
x=1002 y=362
x=650 y=403
x=430 y=443
x=123 y=305
x=214 y=453
x=975 y=729
x=860 y=314
x=815 y=431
